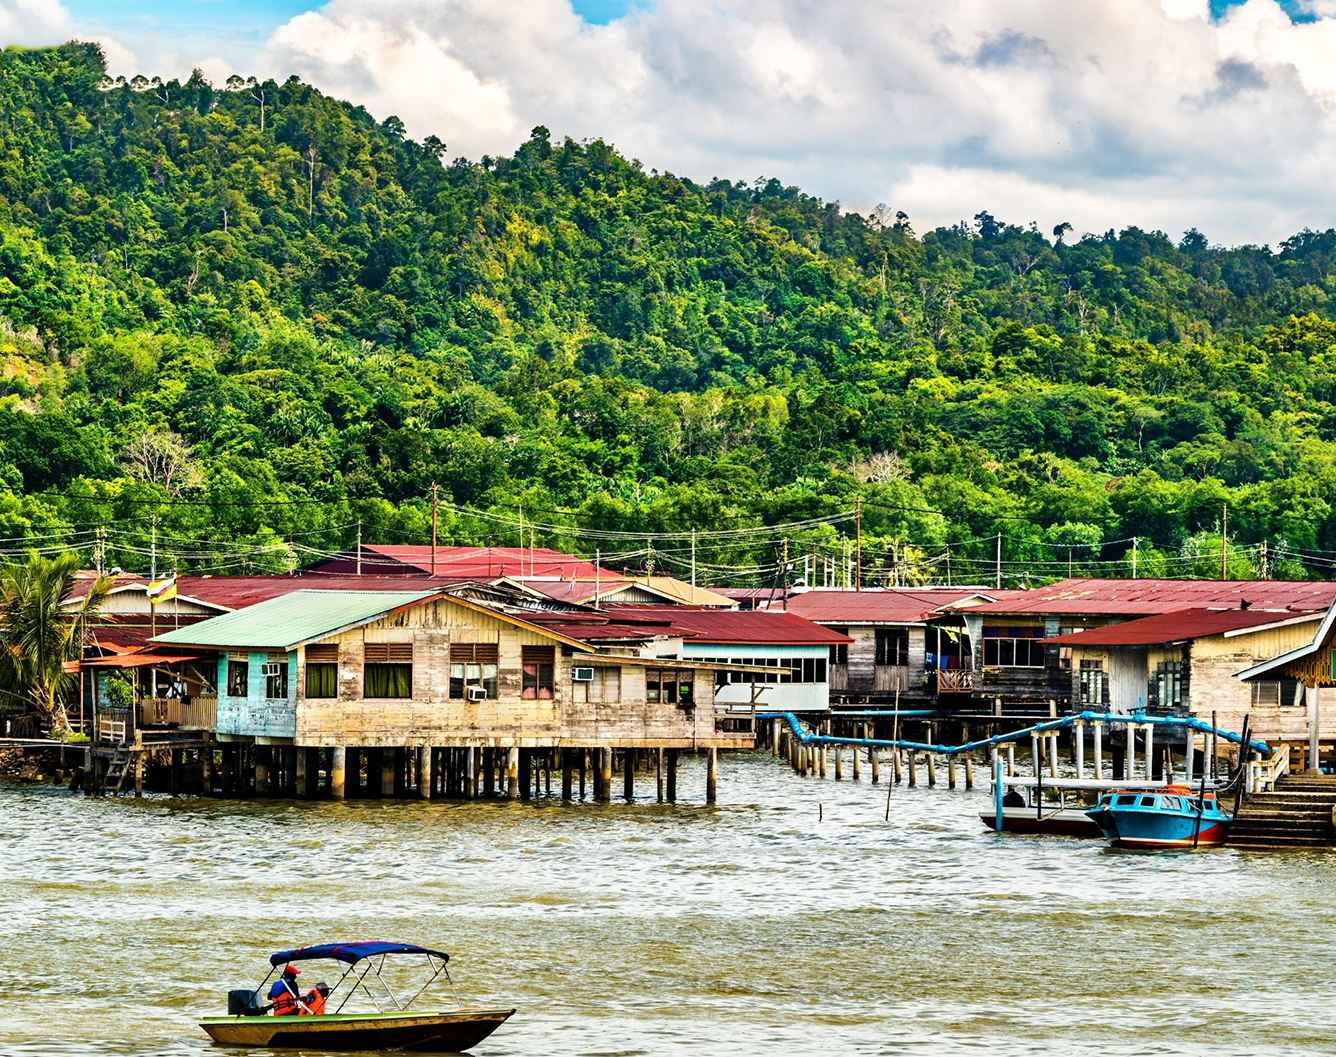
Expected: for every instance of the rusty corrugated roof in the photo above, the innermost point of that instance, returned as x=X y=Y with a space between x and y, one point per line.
x=750 y=626
x=1180 y=626
x=1148 y=597
x=894 y=605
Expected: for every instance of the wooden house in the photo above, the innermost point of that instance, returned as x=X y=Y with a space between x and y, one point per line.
x=454 y=668
x=1186 y=662
x=901 y=642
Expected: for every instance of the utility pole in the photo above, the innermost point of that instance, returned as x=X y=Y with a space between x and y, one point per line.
x=786 y=574
x=1265 y=571
x=948 y=565
x=359 y=546
x=153 y=549
x=693 y=565
x=649 y=559
x=433 y=528
x=1134 y=557
x=1224 y=536
x=858 y=543
x=598 y=571
x=998 y=565
x=521 y=538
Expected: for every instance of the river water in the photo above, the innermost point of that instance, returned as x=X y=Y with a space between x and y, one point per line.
x=788 y=919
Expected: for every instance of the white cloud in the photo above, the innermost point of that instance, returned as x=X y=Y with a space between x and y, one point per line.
x=1104 y=113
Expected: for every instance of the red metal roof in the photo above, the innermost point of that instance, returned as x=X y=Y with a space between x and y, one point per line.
x=751 y=626
x=1180 y=626
x=896 y=605
x=237 y=592
x=463 y=563
x=1148 y=597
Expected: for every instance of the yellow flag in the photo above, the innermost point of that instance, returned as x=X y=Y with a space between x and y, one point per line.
x=162 y=590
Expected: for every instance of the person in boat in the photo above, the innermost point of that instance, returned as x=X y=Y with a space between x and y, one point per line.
x=314 y=1002
x=1013 y=798
x=285 y=996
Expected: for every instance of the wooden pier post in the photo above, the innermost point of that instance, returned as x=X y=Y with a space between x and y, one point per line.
x=951 y=771
x=470 y=772
x=1011 y=759
x=584 y=768
x=300 y=776
x=711 y=775
x=932 y=769
x=1035 y=752
x=839 y=763
x=969 y=771
x=897 y=765
x=424 y=772
x=1097 y=734
x=513 y=773
x=855 y=759
x=567 y=775
x=913 y=768
x=338 y=761
x=1130 y=753
x=875 y=761
x=672 y=775
x=1078 y=745
x=261 y=769
x=775 y=735
x=524 y=777
x=658 y=761
x=1053 y=741
x=1150 y=752
x=823 y=760
x=605 y=774
x=629 y=775
x=1189 y=750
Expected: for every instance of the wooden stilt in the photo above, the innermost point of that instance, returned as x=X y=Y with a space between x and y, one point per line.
x=605 y=774
x=913 y=768
x=969 y=771
x=338 y=761
x=584 y=768
x=951 y=771
x=873 y=757
x=932 y=770
x=855 y=761
x=711 y=775
x=897 y=761
x=658 y=764
x=567 y=775
x=424 y=772
x=839 y=763
x=671 y=760
x=300 y=777
x=629 y=775
x=513 y=773
x=261 y=769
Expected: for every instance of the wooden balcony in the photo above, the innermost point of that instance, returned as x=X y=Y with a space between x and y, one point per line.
x=955 y=681
x=191 y=713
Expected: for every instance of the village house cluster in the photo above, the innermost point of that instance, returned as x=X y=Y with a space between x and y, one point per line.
x=394 y=668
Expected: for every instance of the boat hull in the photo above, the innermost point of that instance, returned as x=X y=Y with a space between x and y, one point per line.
x=1065 y=822
x=451 y=1032
x=1148 y=828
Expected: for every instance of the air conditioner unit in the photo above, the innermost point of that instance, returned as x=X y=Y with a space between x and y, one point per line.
x=582 y=675
x=477 y=693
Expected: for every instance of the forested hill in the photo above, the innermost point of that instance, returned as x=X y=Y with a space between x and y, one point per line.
x=258 y=314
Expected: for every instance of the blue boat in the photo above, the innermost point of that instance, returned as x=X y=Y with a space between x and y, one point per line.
x=1172 y=816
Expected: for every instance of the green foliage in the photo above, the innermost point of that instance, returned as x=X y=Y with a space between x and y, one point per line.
x=258 y=315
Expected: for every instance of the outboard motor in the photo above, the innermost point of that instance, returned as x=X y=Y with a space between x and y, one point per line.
x=241 y=1003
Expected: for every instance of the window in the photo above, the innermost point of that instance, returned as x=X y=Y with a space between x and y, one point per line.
x=1147 y=801
x=472 y=664
x=840 y=654
x=322 y=671
x=387 y=669
x=276 y=677
x=1013 y=647
x=1266 y=692
x=670 y=686
x=1065 y=652
x=893 y=646
x=238 y=677
x=1123 y=801
x=604 y=688
x=538 y=670
x=1169 y=684
x=1093 y=685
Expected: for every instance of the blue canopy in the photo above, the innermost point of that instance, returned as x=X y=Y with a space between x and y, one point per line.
x=351 y=952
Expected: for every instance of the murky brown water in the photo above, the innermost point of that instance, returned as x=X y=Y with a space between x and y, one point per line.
x=751 y=927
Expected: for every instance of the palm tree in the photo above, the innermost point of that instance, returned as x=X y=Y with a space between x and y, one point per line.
x=44 y=627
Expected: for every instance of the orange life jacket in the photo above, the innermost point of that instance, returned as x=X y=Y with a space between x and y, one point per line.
x=285 y=1002
x=314 y=1003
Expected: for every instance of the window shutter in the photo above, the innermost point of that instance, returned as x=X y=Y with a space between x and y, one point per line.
x=399 y=652
x=478 y=652
x=322 y=654
x=537 y=654
x=376 y=653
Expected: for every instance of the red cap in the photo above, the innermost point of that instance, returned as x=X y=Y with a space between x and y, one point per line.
x=291 y=969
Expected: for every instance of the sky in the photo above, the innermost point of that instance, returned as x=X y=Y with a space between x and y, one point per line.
x=1167 y=114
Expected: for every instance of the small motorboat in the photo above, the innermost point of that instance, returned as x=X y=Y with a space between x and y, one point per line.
x=321 y=1023
x=1172 y=816
x=1037 y=816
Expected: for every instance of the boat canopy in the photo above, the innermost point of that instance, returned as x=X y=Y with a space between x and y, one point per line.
x=351 y=952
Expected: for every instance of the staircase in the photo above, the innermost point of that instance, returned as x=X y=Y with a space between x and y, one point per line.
x=117 y=768
x=1297 y=814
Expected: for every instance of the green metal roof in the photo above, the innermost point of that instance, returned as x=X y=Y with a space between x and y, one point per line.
x=290 y=620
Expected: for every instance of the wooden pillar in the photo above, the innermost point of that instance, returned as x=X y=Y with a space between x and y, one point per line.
x=897 y=764
x=261 y=770
x=1150 y=752
x=711 y=775
x=525 y=777
x=1189 y=748
x=855 y=756
x=1078 y=744
x=951 y=771
x=1311 y=695
x=839 y=763
x=583 y=761
x=300 y=777
x=658 y=769
x=823 y=760
x=872 y=757
x=513 y=773
x=913 y=768
x=629 y=775
x=1097 y=732
x=969 y=771
x=567 y=775
x=139 y=770
x=424 y=772
x=605 y=774
x=210 y=771
x=672 y=775
x=338 y=759
x=387 y=772
x=775 y=735
x=1053 y=741
x=932 y=770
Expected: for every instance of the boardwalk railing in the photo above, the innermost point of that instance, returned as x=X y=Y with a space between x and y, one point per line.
x=1262 y=774
x=955 y=680
x=114 y=728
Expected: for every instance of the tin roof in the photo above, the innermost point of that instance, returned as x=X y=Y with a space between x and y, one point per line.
x=1180 y=626
x=750 y=626
x=292 y=619
x=464 y=563
x=893 y=605
x=1148 y=597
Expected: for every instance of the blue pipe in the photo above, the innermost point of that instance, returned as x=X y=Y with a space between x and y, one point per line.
x=1061 y=723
